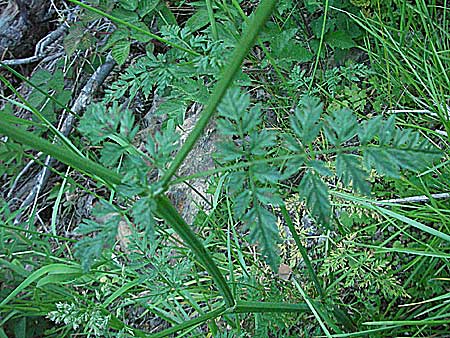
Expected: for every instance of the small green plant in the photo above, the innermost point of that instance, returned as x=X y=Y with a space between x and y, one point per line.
x=94 y=322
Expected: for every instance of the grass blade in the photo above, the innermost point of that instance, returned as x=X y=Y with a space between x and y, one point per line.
x=262 y=307
x=52 y=268
x=60 y=153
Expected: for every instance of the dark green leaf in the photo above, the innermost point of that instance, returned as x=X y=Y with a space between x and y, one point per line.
x=341 y=126
x=140 y=36
x=228 y=151
x=234 y=105
x=260 y=141
x=129 y=5
x=125 y=15
x=369 y=129
x=98 y=122
x=265 y=173
x=146 y=6
x=305 y=121
x=163 y=145
x=110 y=154
x=236 y=181
x=319 y=167
x=174 y=108
x=268 y=196
x=103 y=230
x=264 y=231
x=197 y=21
x=340 y=39
x=349 y=169
x=241 y=203
x=142 y=212
x=381 y=160
x=293 y=166
x=251 y=119
x=314 y=190
x=387 y=130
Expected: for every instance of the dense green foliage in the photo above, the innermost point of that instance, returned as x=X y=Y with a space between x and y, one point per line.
x=311 y=106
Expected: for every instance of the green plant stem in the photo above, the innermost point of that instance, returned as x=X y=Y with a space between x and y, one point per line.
x=409 y=322
x=60 y=153
x=312 y=308
x=31 y=232
x=264 y=49
x=303 y=251
x=167 y=211
x=319 y=50
x=134 y=27
x=248 y=38
x=312 y=154
x=41 y=117
x=370 y=204
x=261 y=307
x=240 y=307
x=212 y=20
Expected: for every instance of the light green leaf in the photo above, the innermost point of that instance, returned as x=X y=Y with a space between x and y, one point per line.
x=120 y=51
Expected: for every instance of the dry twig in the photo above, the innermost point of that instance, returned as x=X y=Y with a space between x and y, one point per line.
x=413 y=199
